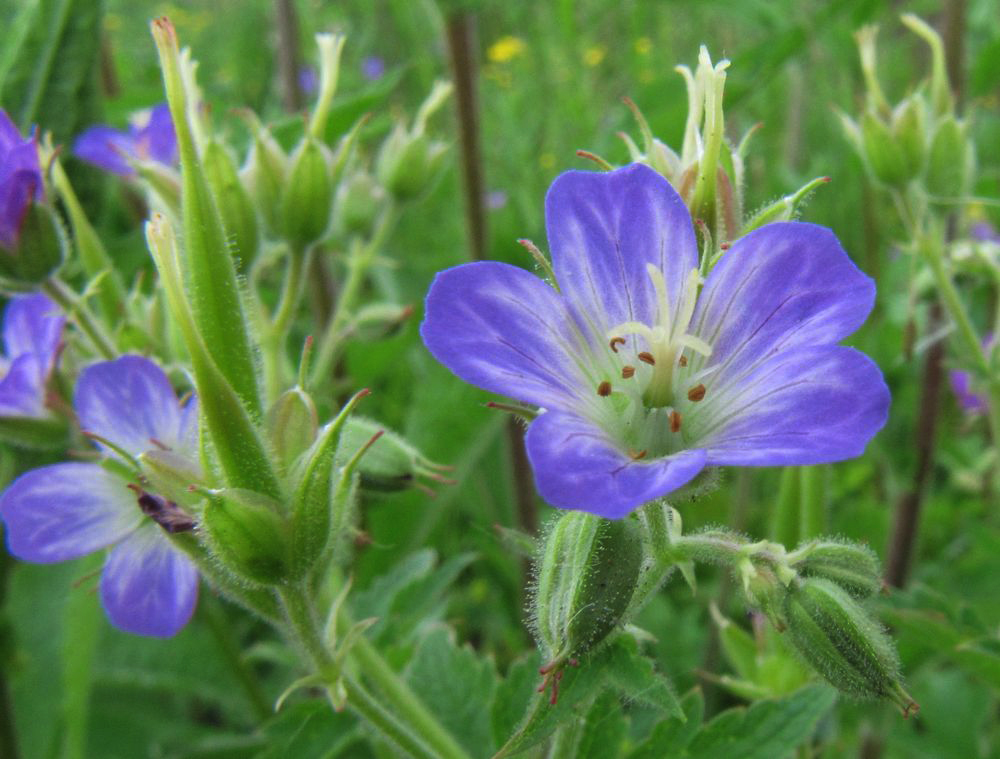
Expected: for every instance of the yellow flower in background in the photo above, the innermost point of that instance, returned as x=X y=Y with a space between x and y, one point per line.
x=546 y=160
x=594 y=55
x=505 y=49
x=643 y=45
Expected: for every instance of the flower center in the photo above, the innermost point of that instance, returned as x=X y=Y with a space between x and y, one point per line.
x=666 y=340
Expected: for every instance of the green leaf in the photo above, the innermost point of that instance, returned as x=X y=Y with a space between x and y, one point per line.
x=767 y=730
x=636 y=677
x=309 y=729
x=604 y=729
x=671 y=736
x=980 y=658
x=513 y=695
x=49 y=74
x=457 y=686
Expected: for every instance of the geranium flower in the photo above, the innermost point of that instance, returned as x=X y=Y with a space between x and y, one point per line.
x=59 y=512
x=20 y=179
x=970 y=399
x=150 y=137
x=32 y=331
x=644 y=374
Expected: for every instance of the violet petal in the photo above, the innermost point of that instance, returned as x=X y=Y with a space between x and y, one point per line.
x=66 y=510
x=577 y=467
x=148 y=586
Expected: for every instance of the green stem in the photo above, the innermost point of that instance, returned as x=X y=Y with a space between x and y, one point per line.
x=75 y=306
x=275 y=333
x=222 y=631
x=95 y=259
x=358 y=264
x=404 y=719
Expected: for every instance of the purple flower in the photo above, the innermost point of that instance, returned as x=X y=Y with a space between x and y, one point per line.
x=496 y=200
x=20 y=179
x=373 y=68
x=32 y=331
x=308 y=80
x=150 y=137
x=961 y=385
x=63 y=511
x=983 y=231
x=644 y=374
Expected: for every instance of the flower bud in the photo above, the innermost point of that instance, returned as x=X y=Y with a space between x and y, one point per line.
x=248 y=535
x=392 y=464
x=884 y=155
x=852 y=566
x=948 y=160
x=407 y=163
x=587 y=573
x=291 y=425
x=36 y=254
x=264 y=173
x=909 y=132
x=307 y=202
x=238 y=215
x=842 y=642
x=359 y=198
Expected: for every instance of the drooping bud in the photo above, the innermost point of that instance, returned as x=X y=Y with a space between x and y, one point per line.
x=238 y=214
x=248 y=535
x=307 y=201
x=842 y=642
x=587 y=574
x=853 y=566
x=393 y=463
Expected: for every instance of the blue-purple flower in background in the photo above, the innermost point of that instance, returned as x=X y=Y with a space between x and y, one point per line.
x=373 y=68
x=645 y=374
x=971 y=399
x=20 y=179
x=150 y=137
x=32 y=332
x=60 y=512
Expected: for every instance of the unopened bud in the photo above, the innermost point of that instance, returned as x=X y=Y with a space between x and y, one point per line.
x=392 y=463
x=884 y=156
x=265 y=173
x=909 y=131
x=36 y=254
x=307 y=202
x=359 y=198
x=852 y=566
x=842 y=642
x=587 y=575
x=407 y=163
x=948 y=160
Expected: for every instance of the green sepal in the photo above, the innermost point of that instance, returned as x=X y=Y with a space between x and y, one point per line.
x=265 y=172
x=291 y=426
x=392 y=463
x=170 y=474
x=247 y=534
x=237 y=210
x=40 y=250
x=909 y=131
x=313 y=519
x=853 y=566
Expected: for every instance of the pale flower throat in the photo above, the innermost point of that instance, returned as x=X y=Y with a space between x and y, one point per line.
x=666 y=339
